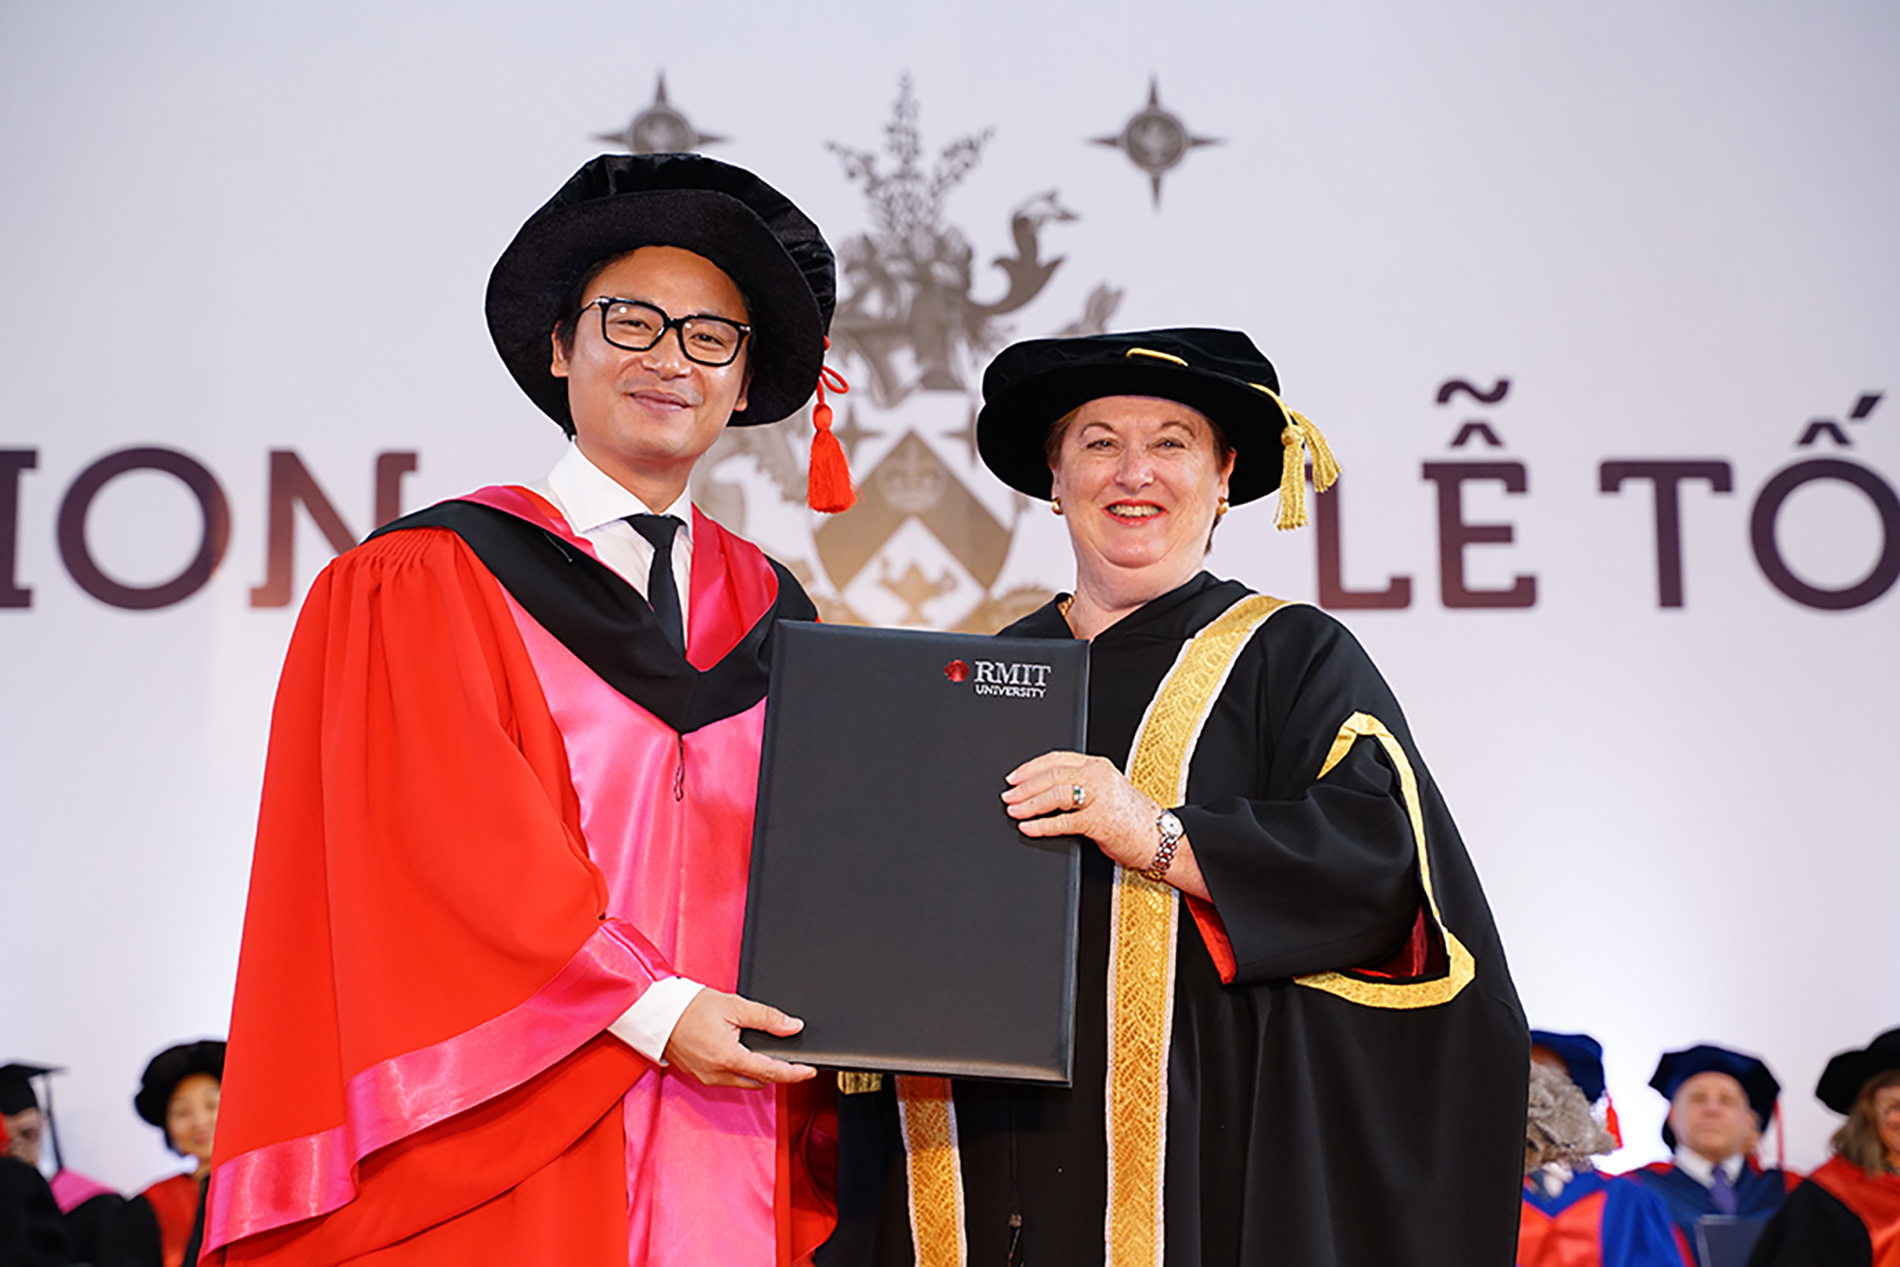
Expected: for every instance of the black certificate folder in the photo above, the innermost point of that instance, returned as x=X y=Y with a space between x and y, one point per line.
x=894 y=905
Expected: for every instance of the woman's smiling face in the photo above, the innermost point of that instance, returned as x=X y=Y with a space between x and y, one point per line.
x=191 y=1116
x=1140 y=479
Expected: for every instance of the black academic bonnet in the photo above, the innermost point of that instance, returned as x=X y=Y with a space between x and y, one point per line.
x=171 y=1067
x=1218 y=372
x=1848 y=1072
x=620 y=202
x=1582 y=1056
x=1677 y=1067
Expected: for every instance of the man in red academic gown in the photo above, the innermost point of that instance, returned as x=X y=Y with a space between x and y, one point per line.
x=482 y=1008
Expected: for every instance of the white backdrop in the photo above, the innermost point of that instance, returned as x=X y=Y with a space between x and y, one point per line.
x=231 y=229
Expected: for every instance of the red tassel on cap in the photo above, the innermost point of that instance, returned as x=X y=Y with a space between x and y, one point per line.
x=828 y=483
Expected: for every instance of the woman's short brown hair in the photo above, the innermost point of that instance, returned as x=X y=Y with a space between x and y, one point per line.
x=1858 y=1140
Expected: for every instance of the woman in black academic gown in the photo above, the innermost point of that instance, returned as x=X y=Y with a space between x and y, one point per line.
x=1847 y=1213
x=164 y=1225
x=1296 y=1037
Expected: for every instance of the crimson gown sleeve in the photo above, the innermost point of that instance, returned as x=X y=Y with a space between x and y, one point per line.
x=427 y=966
x=1307 y=874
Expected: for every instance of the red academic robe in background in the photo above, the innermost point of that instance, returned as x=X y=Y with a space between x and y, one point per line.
x=1597 y=1220
x=497 y=808
x=174 y=1206
x=1840 y=1217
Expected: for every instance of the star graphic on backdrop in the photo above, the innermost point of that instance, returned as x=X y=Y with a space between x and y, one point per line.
x=660 y=129
x=850 y=434
x=968 y=434
x=1155 y=139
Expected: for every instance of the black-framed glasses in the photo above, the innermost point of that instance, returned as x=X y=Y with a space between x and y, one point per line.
x=638 y=327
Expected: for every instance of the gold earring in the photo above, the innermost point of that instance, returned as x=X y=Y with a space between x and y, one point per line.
x=1221 y=507
x=1055 y=505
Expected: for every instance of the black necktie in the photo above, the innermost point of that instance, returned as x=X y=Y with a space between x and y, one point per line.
x=662 y=594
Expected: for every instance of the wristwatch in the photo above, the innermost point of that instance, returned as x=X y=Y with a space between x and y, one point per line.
x=1171 y=832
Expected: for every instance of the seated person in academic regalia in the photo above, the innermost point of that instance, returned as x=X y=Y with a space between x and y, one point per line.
x=1574 y=1215
x=32 y=1234
x=87 y=1207
x=1847 y=1213
x=164 y=1225
x=1719 y=1101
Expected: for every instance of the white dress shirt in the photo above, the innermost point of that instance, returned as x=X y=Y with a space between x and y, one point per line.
x=595 y=507
x=1702 y=1170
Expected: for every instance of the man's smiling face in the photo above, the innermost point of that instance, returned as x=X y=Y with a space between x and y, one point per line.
x=645 y=417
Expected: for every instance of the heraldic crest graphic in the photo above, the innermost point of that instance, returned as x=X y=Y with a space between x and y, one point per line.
x=917 y=319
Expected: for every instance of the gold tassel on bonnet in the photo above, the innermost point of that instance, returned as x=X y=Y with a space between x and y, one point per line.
x=1299 y=437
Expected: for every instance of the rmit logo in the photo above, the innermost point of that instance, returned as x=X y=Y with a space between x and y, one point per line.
x=1000 y=674
x=999 y=677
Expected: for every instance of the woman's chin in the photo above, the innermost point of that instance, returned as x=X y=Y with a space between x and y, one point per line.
x=1137 y=576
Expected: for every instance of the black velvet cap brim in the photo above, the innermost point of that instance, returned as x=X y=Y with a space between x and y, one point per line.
x=1011 y=428
x=532 y=280
x=1848 y=1072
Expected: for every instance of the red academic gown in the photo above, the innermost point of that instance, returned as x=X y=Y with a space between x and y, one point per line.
x=174 y=1203
x=1597 y=1220
x=1841 y=1217
x=473 y=855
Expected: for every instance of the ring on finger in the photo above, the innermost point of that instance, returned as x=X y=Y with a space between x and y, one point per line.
x=1078 y=795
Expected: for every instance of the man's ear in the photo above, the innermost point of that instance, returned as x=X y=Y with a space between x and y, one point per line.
x=558 y=366
x=745 y=385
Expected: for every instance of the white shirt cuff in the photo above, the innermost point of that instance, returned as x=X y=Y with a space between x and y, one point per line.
x=648 y=1024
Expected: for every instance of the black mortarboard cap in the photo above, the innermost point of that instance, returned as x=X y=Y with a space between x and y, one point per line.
x=17 y=1096
x=620 y=202
x=1677 y=1067
x=16 y=1086
x=1582 y=1056
x=1848 y=1071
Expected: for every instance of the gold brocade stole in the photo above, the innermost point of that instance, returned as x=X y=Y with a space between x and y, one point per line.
x=928 y=1117
x=1144 y=921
